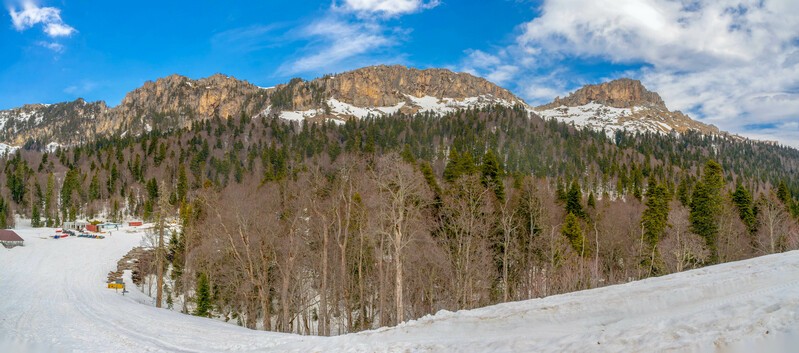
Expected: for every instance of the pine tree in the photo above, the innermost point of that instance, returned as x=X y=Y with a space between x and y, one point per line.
x=574 y=198
x=491 y=174
x=654 y=221
x=453 y=169
x=36 y=218
x=744 y=203
x=3 y=213
x=706 y=206
x=684 y=192
x=203 y=299
x=783 y=193
x=571 y=230
x=48 y=201
x=94 y=188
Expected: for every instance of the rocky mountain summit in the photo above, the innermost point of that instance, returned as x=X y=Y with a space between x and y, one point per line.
x=381 y=90
x=167 y=103
x=621 y=93
x=177 y=102
x=74 y=121
x=622 y=104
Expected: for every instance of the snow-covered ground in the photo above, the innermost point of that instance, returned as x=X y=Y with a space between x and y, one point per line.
x=435 y=105
x=600 y=117
x=53 y=298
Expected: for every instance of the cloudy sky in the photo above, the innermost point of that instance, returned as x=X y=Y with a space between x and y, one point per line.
x=732 y=63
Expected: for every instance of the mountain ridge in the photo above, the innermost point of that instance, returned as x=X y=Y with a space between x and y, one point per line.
x=176 y=101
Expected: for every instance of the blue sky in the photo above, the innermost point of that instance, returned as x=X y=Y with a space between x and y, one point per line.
x=732 y=63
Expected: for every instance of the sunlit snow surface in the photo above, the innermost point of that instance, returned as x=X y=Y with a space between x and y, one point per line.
x=54 y=299
x=604 y=118
x=422 y=104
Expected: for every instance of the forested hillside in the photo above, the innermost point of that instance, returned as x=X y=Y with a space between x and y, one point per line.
x=326 y=228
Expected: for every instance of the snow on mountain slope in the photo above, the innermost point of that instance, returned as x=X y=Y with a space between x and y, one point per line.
x=339 y=110
x=609 y=119
x=621 y=104
x=54 y=299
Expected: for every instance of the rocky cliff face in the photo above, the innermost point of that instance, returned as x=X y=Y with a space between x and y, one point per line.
x=382 y=89
x=622 y=104
x=176 y=101
x=74 y=121
x=171 y=102
x=621 y=93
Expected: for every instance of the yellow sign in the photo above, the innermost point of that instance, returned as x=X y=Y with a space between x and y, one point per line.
x=116 y=285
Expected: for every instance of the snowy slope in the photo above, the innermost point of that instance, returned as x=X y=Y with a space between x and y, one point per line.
x=54 y=299
x=605 y=118
x=439 y=106
x=608 y=119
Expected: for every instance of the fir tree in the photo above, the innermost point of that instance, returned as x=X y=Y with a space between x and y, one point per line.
x=203 y=299
x=94 y=188
x=744 y=203
x=783 y=193
x=491 y=174
x=36 y=218
x=654 y=221
x=706 y=206
x=4 y=212
x=574 y=198
x=571 y=230
x=48 y=201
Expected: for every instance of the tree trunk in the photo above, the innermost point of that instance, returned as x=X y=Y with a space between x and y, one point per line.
x=324 y=330
x=398 y=278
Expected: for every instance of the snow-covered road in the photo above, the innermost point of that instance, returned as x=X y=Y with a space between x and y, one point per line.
x=53 y=297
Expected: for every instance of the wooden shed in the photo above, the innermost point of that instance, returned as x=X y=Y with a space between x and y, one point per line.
x=10 y=238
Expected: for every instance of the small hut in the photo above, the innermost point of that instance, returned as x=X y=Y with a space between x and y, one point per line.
x=10 y=238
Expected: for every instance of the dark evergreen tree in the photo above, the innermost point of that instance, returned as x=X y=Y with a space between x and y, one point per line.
x=571 y=230
x=491 y=174
x=654 y=221
x=203 y=296
x=574 y=200
x=745 y=205
x=36 y=217
x=706 y=206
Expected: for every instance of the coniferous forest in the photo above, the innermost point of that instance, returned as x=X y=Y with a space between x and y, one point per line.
x=326 y=228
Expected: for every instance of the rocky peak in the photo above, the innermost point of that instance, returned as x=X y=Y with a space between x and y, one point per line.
x=176 y=96
x=384 y=86
x=621 y=93
x=622 y=104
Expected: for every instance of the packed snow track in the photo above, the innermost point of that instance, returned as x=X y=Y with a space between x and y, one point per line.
x=54 y=299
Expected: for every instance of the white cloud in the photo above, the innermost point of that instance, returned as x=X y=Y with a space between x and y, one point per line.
x=351 y=33
x=733 y=63
x=387 y=8
x=32 y=14
x=336 y=40
x=492 y=67
x=56 y=47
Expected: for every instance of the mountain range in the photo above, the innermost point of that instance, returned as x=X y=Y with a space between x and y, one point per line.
x=178 y=101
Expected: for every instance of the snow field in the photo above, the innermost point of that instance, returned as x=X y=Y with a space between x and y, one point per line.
x=54 y=298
